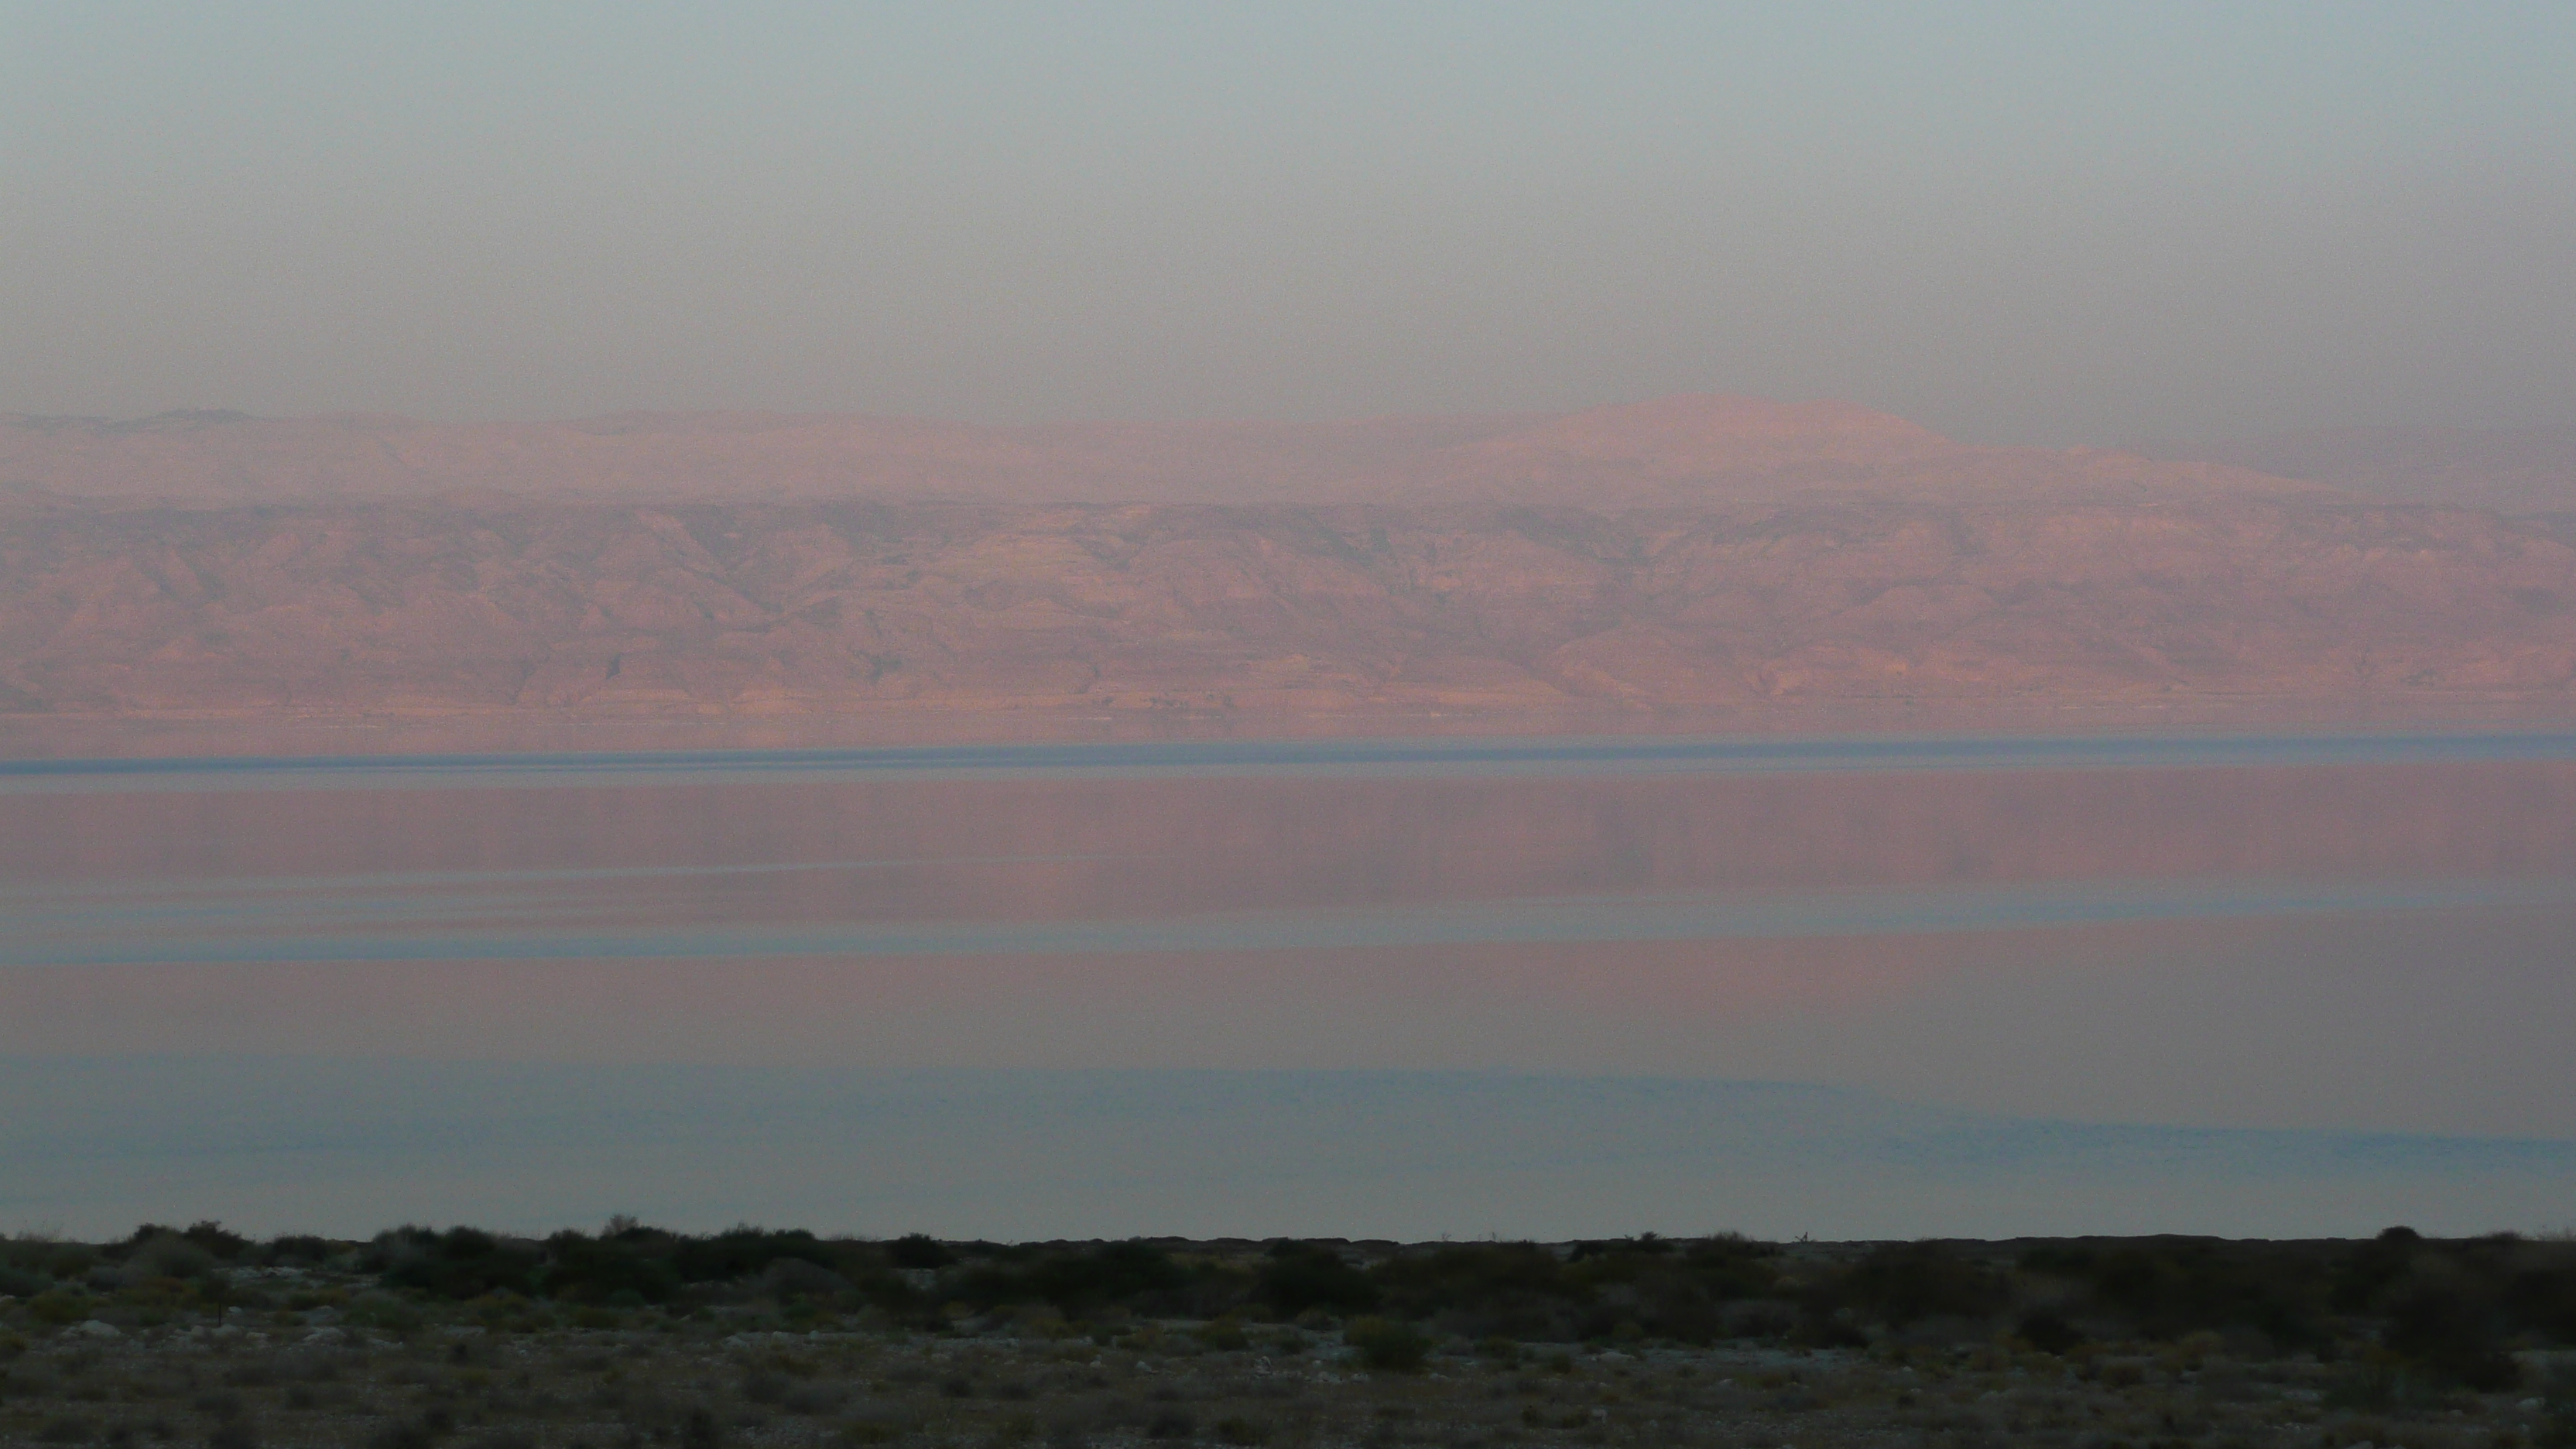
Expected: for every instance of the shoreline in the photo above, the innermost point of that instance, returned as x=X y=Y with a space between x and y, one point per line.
x=505 y=732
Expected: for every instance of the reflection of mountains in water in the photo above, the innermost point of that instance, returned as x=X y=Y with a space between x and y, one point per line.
x=348 y=1147
x=723 y=859
x=523 y=921
x=2072 y=928
x=1137 y=840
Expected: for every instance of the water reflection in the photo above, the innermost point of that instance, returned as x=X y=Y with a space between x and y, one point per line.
x=2269 y=935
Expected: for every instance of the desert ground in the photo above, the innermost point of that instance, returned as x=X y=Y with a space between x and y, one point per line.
x=418 y=1338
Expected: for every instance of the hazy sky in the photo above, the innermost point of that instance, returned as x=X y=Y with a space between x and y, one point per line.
x=2048 y=223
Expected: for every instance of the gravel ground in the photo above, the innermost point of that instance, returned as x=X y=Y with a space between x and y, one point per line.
x=696 y=1381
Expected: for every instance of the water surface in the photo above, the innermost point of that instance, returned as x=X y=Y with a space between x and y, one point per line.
x=2358 y=934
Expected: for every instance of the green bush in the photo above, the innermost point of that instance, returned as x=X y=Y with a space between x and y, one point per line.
x=381 y=1310
x=599 y=1270
x=1907 y=1281
x=1387 y=1345
x=1300 y=1277
x=59 y=1306
x=919 y=1250
x=2452 y=1333
x=1513 y=1285
x=459 y=1263
x=168 y=1255
x=1138 y=1275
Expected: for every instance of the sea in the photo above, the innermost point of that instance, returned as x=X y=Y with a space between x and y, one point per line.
x=1879 y=986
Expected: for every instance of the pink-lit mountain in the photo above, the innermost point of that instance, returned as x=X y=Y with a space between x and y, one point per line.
x=1694 y=555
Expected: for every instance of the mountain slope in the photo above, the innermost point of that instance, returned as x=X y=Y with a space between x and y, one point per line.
x=1687 y=554
x=742 y=608
x=2511 y=470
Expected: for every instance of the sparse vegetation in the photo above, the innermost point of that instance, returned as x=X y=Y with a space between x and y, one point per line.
x=420 y=1338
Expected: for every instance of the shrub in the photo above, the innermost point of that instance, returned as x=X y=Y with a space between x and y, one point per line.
x=1387 y=1345
x=459 y=1263
x=627 y=1267
x=168 y=1255
x=2049 y=1333
x=919 y=1250
x=59 y=1306
x=1301 y=1277
x=2170 y=1287
x=795 y=1277
x=741 y=1252
x=2452 y=1334
x=217 y=1239
x=378 y=1309
x=1908 y=1281
x=2369 y=1269
x=1137 y=1275
x=1502 y=1285
x=2545 y=1299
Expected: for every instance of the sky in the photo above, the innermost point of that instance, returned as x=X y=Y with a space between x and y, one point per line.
x=2015 y=223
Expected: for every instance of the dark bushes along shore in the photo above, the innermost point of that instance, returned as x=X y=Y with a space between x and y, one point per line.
x=2442 y=1311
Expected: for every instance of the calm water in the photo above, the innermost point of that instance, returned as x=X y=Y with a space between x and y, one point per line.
x=2236 y=984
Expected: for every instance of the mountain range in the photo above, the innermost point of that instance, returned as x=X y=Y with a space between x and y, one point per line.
x=1705 y=557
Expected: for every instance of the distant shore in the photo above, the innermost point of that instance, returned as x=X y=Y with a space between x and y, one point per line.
x=516 y=731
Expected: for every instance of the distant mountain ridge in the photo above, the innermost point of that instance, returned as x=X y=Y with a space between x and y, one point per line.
x=1694 y=450
x=2511 y=470
x=435 y=606
x=1701 y=553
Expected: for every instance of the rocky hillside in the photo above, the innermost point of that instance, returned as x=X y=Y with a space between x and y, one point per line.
x=426 y=605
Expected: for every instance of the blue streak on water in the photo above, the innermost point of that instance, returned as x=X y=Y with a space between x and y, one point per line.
x=1588 y=755
x=343 y=1145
